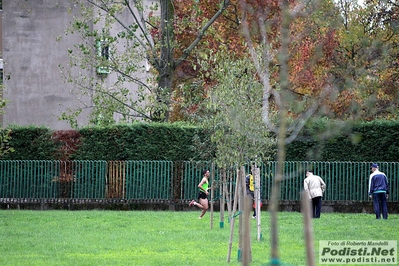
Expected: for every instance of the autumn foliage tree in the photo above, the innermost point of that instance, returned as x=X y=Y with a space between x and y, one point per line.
x=279 y=81
x=311 y=65
x=366 y=60
x=118 y=38
x=307 y=76
x=192 y=82
x=351 y=46
x=360 y=49
x=291 y=50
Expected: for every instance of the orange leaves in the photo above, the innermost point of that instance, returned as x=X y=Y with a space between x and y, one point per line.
x=311 y=58
x=341 y=106
x=330 y=43
x=223 y=34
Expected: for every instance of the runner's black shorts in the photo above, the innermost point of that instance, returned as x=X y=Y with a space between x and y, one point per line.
x=202 y=195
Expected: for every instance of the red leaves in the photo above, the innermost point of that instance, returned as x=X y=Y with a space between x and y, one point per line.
x=69 y=140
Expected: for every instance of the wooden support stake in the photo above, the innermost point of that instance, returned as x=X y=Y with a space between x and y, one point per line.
x=307 y=224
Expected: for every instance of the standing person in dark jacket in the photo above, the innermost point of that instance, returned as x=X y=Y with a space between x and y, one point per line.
x=379 y=191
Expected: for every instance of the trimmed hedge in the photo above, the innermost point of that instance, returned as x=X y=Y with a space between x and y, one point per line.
x=368 y=141
x=31 y=143
x=137 y=141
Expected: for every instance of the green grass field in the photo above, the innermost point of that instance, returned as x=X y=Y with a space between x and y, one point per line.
x=165 y=238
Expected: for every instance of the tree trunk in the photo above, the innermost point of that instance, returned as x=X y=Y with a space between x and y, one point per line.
x=166 y=67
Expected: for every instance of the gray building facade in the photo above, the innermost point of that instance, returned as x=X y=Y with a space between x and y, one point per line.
x=34 y=45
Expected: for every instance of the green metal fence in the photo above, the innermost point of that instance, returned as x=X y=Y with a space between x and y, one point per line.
x=176 y=181
x=344 y=180
x=149 y=180
x=88 y=179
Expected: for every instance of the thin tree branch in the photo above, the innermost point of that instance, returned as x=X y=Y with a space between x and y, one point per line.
x=201 y=33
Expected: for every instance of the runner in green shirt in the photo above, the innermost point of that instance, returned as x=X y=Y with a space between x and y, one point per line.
x=203 y=194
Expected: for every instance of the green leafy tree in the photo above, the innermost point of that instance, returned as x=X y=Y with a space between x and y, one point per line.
x=5 y=137
x=233 y=116
x=122 y=39
x=5 y=134
x=233 y=112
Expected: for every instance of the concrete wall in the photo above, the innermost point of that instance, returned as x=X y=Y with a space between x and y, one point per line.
x=32 y=53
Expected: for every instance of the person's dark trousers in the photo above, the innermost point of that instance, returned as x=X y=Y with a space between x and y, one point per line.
x=380 y=205
x=316 y=207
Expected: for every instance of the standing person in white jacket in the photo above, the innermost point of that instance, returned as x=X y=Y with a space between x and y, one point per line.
x=314 y=186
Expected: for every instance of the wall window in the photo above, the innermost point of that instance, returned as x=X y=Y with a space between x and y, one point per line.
x=103 y=54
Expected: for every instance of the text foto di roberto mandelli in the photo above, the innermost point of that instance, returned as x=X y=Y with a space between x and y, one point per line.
x=359 y=243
